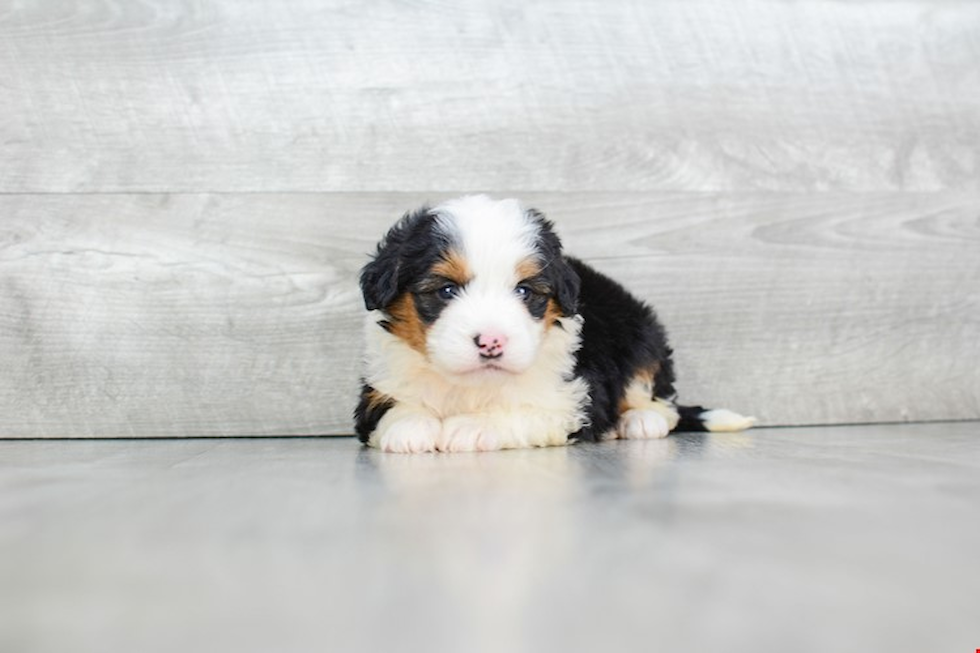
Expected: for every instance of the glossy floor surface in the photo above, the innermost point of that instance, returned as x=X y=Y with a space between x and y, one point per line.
x=821 y=539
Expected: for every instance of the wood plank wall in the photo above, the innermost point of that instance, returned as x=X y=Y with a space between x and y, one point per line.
x=187 y=190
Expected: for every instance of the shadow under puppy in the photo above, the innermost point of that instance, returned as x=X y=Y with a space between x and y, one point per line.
x=483 y=335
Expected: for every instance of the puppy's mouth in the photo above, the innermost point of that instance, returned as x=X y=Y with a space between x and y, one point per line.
x=488 y=369
x=491 y=367
x=494 y=367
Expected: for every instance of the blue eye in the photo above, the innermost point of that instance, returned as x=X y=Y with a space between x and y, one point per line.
x=523 y=291
x=448 y=291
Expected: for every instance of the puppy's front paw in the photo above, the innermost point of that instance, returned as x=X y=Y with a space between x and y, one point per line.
x=406 y=434
x=467 y=433
x=639 y=424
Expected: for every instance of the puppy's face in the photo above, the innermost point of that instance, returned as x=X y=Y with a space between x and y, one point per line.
x=473 y=285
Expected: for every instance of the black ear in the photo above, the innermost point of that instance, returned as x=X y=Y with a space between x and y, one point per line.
x=567 y=284
x=560 y=274
x=379 y=278
x=383 y=279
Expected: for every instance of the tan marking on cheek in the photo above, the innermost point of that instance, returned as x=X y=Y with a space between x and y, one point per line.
x=453 y=266
x=406 y=323
x=551 y=314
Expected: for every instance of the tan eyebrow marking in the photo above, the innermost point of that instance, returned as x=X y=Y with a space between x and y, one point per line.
x=453 y=266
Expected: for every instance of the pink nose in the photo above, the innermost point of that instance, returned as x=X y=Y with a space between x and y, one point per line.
x=490 y=344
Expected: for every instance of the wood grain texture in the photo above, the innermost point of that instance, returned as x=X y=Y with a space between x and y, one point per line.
x=111 y=95
x=236 y=314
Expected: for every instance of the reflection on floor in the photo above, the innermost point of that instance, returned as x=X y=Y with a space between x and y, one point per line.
x=818 y=539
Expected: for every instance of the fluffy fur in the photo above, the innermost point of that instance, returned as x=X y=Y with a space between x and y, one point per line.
x=483 y=335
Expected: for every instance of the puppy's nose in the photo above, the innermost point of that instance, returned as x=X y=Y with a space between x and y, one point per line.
x=490 y=344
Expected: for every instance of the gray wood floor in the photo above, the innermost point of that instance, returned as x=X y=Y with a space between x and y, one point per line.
x=810 y=540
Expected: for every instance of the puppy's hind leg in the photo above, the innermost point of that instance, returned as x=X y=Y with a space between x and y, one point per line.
x=643 y=416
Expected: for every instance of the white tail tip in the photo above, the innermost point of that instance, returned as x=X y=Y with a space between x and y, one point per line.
x=721 y=420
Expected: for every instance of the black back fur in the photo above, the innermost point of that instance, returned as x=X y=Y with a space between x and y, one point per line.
x=621 y=336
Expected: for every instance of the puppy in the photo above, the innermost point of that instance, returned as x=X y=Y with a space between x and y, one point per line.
x=483 y=335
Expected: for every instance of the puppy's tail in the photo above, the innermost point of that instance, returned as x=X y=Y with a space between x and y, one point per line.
x=717 y=420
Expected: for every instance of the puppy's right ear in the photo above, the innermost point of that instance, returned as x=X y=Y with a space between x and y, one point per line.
x=382 y=279
x=379 y=278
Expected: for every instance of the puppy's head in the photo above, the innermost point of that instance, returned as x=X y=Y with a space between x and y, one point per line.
x=474 y=285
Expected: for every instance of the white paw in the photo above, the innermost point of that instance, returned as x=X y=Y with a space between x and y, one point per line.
x=467 y=433
x=408 y=434
x=639 y=424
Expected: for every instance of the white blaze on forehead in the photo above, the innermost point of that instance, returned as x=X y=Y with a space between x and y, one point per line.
x=495 y=236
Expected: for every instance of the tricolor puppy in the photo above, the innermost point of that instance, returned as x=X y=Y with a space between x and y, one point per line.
x=483 y=335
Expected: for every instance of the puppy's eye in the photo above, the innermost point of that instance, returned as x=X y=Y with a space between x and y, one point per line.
x=448 y=291
x=523 y=291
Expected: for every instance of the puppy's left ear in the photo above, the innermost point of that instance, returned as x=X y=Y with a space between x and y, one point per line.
x=562 y=276
x=567 y=285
